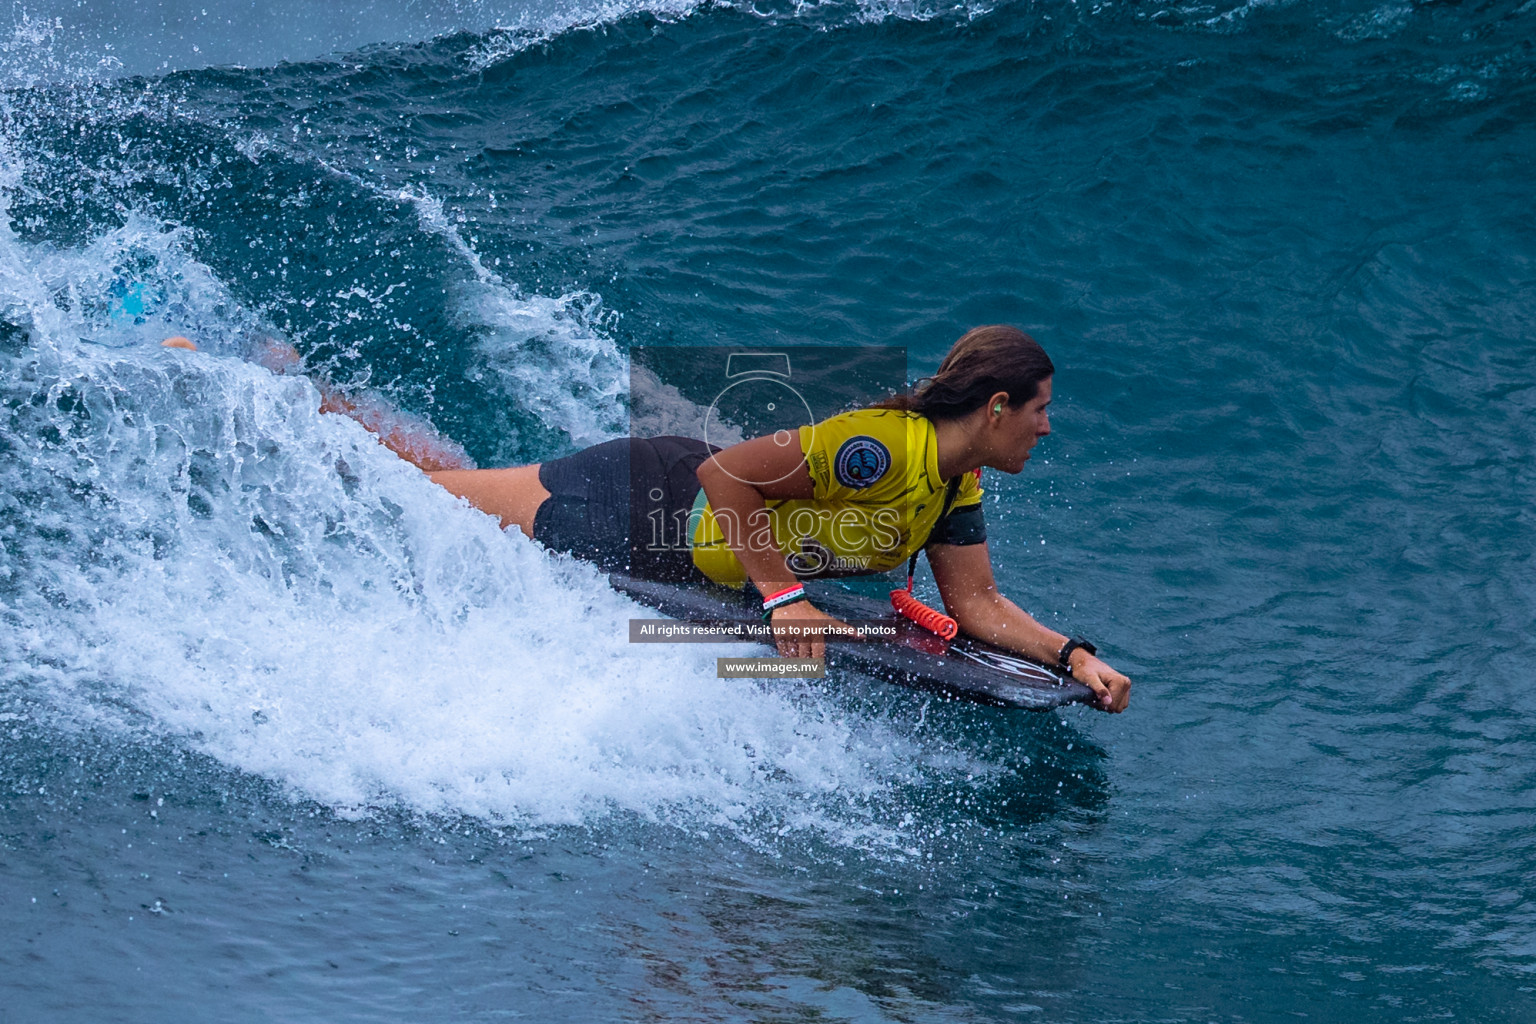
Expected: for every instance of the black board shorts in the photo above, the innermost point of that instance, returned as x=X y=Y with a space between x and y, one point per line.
x=623 y=505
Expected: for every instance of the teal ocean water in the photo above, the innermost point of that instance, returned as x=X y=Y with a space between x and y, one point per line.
x=286 y=734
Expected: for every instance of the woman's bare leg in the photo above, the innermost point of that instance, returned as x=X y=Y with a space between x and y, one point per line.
x=412 y=439
x=512 y=495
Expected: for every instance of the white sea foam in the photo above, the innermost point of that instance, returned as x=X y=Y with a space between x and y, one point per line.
x=130 y=287
x=539 y=25
x=193 y=551
x=190 y=550
x=555 y=356
x=534 y=26
x=71 y=40
x=552 y=356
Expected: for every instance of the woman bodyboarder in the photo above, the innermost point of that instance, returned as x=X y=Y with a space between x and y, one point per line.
x=862 y=491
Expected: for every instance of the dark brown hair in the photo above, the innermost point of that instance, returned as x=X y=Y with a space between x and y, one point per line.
x=983 y=362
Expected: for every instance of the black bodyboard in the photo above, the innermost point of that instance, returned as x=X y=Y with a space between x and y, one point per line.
x=965 y=668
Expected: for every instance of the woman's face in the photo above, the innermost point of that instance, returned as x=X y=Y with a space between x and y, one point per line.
x=1020 y=428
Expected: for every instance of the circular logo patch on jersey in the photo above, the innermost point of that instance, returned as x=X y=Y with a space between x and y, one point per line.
x=860 y=462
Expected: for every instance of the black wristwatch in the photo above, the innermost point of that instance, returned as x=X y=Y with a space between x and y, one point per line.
x=1070 y=646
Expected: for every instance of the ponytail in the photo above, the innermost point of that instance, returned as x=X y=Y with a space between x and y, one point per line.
x=983 y=362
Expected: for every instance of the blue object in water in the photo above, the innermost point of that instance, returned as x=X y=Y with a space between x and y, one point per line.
x=131 y=299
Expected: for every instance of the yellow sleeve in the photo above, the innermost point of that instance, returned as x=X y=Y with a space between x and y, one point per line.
x=857 y=456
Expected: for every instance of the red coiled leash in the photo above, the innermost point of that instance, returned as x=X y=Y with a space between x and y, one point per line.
x=929 y=618
x=910 y=607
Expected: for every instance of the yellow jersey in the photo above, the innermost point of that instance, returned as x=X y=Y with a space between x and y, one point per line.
x=877 y=495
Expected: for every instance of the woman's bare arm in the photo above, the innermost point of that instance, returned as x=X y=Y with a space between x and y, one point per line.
x=739 y=481
x=964 y=576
